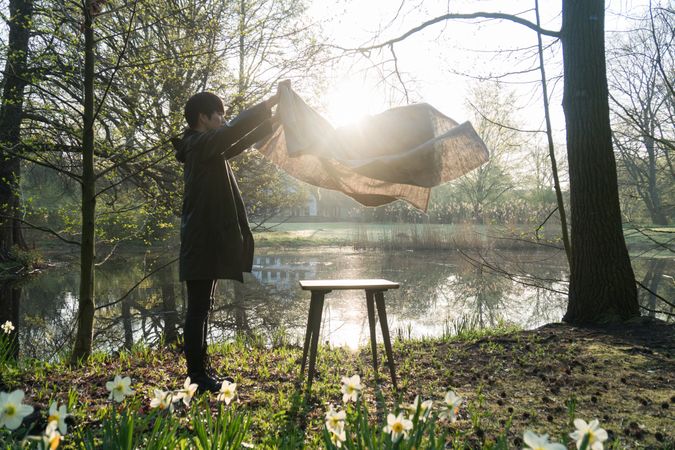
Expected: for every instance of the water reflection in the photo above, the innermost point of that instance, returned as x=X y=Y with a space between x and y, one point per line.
x=440 y=292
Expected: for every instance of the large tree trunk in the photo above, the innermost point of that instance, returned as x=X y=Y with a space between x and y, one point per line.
x=14 y=76
x=602 y=284
x=86 y=306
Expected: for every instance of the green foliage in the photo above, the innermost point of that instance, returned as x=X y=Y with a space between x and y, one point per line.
x=362 y=433
x=226 y=430
x=6 y=350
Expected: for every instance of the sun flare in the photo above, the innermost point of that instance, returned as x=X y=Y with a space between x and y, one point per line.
x=349 y=101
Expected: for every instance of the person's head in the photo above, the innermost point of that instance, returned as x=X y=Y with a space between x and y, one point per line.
x=204 y=111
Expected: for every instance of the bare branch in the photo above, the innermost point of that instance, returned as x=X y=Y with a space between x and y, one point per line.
x=398 y=73
x=655 y=294
x=501 y=125
x=117 y=64
x=450 y=16
x=114 y=302
x=37 y=227
x=110 y=253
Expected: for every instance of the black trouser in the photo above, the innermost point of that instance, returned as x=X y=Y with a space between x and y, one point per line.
x=200 y=301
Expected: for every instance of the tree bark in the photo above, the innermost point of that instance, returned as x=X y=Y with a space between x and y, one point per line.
x=602 y=283
x=86 y=306
x=15 y=79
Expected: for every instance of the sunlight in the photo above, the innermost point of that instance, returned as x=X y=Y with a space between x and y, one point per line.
x=349 y=101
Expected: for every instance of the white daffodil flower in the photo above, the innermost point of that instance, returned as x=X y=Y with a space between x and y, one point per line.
x=536 y=441
x=7 y=327
x=425 y=408
x=398 y=426
x=119 y=388
x=162 y=400
x=335 y=420
x=596 y=435
x=51 y=437
x=188 y=391
x=451 y=408
x=12 y=410
x=337 y=437
x=351 y=387
x=226 y=393
x=58 y=415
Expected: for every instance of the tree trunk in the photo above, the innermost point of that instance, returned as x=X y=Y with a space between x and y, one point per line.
x=14 y=77
x=127 y=324
x=551 y=149
x=654 y=196
x=10 y=304
x=166 y=280
x=86 y=306
x=602 y=283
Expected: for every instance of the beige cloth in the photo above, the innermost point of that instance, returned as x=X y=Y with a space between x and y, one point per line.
x=398 y=154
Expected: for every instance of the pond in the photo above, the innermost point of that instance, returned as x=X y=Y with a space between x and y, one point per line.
x=441 y=293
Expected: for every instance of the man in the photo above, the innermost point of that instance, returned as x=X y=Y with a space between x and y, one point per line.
x=216 y=241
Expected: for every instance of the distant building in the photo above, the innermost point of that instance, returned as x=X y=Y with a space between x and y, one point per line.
x=271 y=269
x=325 y=205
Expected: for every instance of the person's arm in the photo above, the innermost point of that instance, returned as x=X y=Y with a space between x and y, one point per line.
x=241 y=132
x=257 y=134
x=217 y=142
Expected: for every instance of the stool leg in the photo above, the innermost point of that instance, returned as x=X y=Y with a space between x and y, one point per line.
x=382 y=312
x=308 y=334
x=316 y=325
x=371 y=322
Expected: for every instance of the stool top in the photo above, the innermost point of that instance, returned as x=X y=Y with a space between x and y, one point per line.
x=330 y=285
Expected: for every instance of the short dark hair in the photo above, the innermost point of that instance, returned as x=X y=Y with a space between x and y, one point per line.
x=203 y=103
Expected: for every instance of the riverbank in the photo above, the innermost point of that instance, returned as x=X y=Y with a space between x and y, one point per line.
x=647 y=241
x=511 y=381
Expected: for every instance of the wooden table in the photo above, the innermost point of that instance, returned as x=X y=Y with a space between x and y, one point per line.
x=374 y=298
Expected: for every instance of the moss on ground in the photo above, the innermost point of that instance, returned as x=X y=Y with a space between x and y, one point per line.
x=624 y=376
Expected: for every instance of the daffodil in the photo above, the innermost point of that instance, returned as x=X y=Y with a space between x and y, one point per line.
x=162 y=400
x=119 y=388
x=596 y=435
x=451 y=407
x=58 y=415
x=335 y=420
x=226 y=393
x=337 y=437
x=351 y=387
x=12 y=410
x=188 y=391
x=398 y=426
x=425 y=408
x=536 y=441
x=52 y=438
x=7 y=327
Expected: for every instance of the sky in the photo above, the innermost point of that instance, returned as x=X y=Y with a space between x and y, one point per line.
x=441 y=64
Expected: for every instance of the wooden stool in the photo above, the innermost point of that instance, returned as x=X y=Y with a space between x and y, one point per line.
x=374 y=297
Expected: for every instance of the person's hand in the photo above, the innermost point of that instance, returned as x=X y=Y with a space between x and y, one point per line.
x=273 y=100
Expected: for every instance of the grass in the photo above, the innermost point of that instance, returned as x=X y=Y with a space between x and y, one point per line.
x=511 y=381
x=405 y=236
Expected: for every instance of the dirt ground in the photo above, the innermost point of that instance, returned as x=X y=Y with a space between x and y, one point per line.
x=622 y=375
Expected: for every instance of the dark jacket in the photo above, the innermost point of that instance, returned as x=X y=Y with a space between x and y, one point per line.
x=216 y=241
